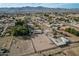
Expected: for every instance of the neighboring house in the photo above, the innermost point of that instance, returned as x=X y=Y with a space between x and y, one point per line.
x=61 y=41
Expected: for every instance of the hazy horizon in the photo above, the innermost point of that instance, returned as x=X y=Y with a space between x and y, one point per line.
x=49 y=5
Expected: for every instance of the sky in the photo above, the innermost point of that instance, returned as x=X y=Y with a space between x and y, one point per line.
x=50 y=5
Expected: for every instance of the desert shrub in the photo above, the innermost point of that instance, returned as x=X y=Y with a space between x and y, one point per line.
x=72 y=31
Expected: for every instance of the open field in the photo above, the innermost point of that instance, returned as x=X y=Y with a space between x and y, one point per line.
x=72 y=52
x=6 y=42
x=20 y=46
x=41 y=43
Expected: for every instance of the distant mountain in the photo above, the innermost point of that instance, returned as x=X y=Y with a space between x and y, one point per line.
x=35 y=9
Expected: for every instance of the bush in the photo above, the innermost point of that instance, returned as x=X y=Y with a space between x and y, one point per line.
x=20 y=29
x=72 y=31
x=46 y=15
x=19 y=22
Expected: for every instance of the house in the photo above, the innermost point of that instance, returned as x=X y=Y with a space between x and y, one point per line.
x=61 y=41
x=37 y=31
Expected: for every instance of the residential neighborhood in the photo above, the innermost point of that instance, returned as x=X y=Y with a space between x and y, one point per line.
x=39 y=33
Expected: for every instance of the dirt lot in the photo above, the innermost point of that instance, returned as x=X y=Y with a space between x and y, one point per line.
x=72 y=52
x=5 y=42
x=41 y=42
x=21 y=47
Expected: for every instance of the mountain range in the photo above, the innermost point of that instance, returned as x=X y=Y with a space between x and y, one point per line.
x=35 y=9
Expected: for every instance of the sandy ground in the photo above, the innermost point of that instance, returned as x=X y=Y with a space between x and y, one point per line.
x=5 y=42
x=41 y=42
x=21 y=47
x=72 y=52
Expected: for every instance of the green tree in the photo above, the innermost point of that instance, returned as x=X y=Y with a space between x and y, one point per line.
x=72 y=31
x=20 y=29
